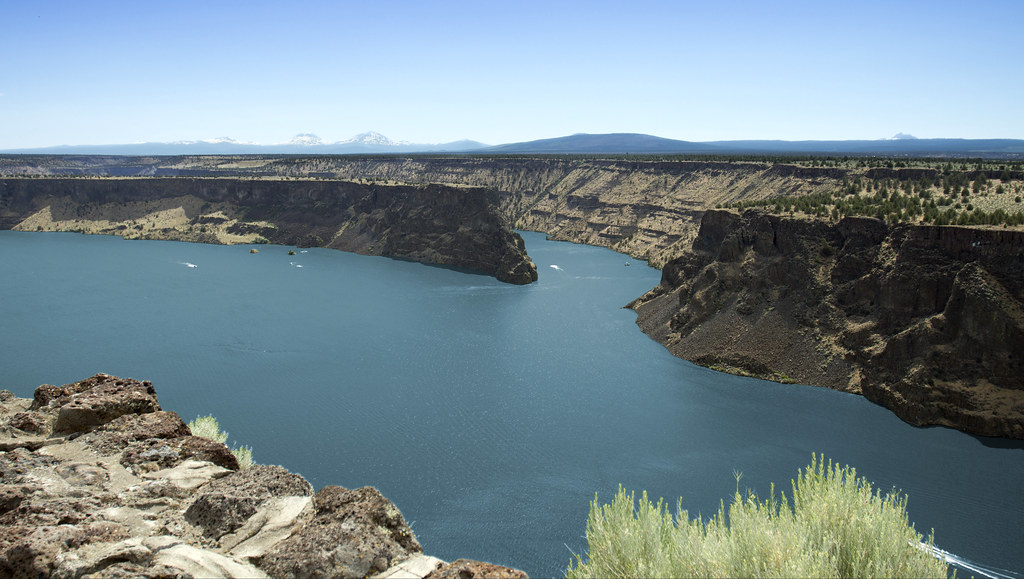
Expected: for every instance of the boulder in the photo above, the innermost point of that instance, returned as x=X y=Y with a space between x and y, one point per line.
x=103 y=399
x=218 y=513
x=353 y=533
x=226 y=504
x=32 y=421
x=415 y=566
x=157 y=453
x=469 y=569
x=114 y=436
x=33 y=553
x=150 y=455
x=197 y=562
x=275 y=521
x=10 y=497
x=48 y=393
x=189 y=475
x=159 y=424
x=19 y=461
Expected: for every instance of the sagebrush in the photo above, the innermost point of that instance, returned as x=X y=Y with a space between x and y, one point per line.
x=208 y=427
x=836 y=526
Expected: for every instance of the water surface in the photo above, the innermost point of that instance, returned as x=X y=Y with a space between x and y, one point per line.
x=489 y=413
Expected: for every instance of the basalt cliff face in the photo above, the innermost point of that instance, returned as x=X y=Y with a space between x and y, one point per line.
x=927 y=321
x=649 y=209
x=451 y=226
x=97 y=480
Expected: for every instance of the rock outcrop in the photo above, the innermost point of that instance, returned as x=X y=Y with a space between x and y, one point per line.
x=437 y=224
x=927 y=321
x=123 y=489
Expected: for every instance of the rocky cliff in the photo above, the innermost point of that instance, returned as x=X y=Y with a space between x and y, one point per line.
x=453 y=226
x=647 y=208
x=97 y=480
x=927 y=321
x=839 y=332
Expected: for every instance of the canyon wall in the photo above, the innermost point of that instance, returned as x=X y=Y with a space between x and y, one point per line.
x=438 y=224
x=926 y=321
x=890 y=312
x=646 y=208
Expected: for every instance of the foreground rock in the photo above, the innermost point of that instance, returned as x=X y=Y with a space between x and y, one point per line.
x=927 y=321
x=97 y=480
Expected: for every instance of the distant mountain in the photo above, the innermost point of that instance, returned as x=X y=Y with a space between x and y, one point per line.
x=371 y=143
x=604 y=143
x=303 y=143
x=898 y=145
x=306 y=140
x=373 y=138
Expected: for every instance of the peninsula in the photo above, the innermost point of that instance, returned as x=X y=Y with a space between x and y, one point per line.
x=436 y=224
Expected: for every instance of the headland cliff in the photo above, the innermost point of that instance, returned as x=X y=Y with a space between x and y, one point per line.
x=437 y=224
x=927 y=321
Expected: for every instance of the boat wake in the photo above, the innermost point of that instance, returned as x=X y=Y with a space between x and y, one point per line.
x=971 y=566
x=185 y=263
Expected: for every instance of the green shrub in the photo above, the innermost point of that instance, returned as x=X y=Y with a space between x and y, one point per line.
x=208 y=427
x=837 y=526
x=244 y=456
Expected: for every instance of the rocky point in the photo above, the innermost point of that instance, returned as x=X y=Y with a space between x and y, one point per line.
x=97 y=480
x=927 y=321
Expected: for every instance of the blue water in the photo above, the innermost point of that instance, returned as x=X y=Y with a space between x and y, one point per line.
x=489 y=413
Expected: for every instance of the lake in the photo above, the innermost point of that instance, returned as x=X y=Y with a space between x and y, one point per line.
x=488 y=413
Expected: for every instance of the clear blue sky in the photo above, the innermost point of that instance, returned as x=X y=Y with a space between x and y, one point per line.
x=101 y=72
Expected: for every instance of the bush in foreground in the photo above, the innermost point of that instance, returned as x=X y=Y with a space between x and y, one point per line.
x=837 y=526
x=207 y=427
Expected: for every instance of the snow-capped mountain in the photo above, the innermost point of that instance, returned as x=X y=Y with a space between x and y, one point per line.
x=370 y=142
x=373 y=138
x=306 y=140
x=213 y=141
x=220 y=140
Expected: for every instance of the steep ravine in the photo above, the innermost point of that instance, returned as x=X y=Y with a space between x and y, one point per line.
x=926 y=321
x=437 y=224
